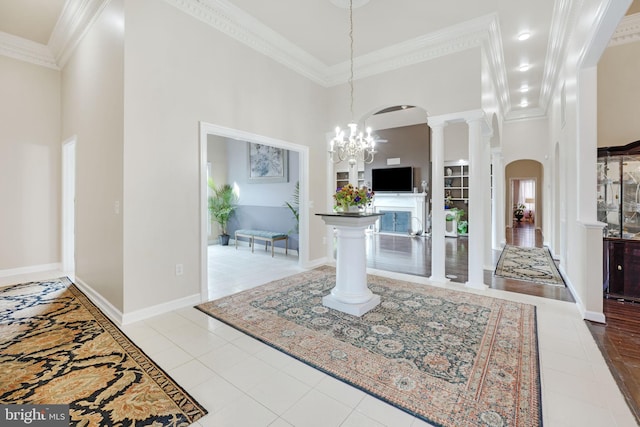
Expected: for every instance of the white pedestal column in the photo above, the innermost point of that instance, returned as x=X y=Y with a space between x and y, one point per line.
x=351 y=294
x=498 y=221
x=476 y=205
x=438 y=226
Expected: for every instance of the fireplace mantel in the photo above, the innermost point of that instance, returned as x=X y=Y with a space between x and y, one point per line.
x=416 y=203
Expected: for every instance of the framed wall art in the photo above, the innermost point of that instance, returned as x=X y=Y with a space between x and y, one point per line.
x=267 y=163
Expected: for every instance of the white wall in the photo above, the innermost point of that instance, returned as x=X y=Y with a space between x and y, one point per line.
x=618 y=95
x=456 y=142
x=92 y=109
x=174 y=79
x=525 y=139
x=30 y=164
x=571 y=167
x=443 y=85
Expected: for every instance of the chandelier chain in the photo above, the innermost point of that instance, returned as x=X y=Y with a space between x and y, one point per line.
x=354 y=147
x=351 y=53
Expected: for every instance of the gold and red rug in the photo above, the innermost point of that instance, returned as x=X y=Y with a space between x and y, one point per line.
x=451 y=358
x=56 y=347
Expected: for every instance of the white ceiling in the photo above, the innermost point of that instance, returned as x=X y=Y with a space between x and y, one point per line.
x=311 y=36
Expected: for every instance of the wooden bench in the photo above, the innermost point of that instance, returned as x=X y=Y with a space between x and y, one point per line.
x=266 y=236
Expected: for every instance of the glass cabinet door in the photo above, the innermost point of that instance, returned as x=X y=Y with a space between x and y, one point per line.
x=630 y=197
x=609 y=194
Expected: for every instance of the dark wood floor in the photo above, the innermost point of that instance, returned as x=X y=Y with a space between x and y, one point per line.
x=412 y=255
x=618 y=340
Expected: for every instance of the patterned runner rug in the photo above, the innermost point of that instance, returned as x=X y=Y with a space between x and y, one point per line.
x=530 y=264
x=56 y=347
x=451 y=358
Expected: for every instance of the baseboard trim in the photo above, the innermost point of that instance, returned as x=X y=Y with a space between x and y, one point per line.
x=30 y=269
x=145 y=313
x=104 y=305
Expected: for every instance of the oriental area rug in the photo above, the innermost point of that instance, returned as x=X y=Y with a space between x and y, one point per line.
x=450 y=358
x=530 y=264
x=56 y=347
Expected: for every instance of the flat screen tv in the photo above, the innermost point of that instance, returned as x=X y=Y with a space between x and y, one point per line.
x=392 y=179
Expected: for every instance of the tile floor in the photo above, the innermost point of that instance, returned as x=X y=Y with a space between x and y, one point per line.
x=243 y=382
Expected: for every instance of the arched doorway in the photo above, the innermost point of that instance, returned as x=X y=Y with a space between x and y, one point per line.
x=524 y=200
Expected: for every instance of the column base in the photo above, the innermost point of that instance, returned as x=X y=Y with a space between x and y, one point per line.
x=349 y=308
x=442 y=280
x=473 y=285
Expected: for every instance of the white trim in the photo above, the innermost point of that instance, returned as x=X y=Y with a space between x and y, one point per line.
x=30 y=269
x=102 y=303
x=74 y=22
x=628 y=31
x=27 y=51
x=156 y=310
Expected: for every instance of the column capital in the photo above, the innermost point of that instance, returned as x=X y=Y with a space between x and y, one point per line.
x=437 y=121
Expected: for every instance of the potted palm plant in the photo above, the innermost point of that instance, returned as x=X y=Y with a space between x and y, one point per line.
x=221 y=206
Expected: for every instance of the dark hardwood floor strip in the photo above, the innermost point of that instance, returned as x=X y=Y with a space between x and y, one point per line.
x=619 y=343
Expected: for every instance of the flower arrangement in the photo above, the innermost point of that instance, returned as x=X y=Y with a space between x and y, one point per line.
x=350 y=196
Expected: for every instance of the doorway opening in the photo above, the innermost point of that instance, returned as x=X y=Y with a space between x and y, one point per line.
x=523 y=197
x=241 y=137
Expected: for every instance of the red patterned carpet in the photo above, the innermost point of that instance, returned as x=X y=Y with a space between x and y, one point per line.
x=56 y=347
x=451 y=358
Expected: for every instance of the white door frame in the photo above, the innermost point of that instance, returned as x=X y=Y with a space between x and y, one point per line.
x=243 y=137
x=68 y=205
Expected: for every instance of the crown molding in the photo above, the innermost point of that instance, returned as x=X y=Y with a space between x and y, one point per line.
x=494 y=53
x=75 y=20
x=628 y=31
x=564 y=16
x=457 y=38
x=234 y=22
x=26 y=50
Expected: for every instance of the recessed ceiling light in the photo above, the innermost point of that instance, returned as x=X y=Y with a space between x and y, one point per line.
x=524 y=67
x=524 y=88
x=524 y=36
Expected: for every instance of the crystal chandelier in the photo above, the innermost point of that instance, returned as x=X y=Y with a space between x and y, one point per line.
x=356 y=146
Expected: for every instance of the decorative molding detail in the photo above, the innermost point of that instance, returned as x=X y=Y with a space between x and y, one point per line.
x=26 y=50
x=235 y=23
x=73 y=23
x=457 y=38
x=628 y=31
x=232 y=21
x=494 y=53
x=565 y=13
x=76 y=19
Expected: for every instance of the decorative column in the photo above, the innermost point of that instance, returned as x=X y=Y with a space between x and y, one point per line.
x=497 y=221
x=476 y=201
x=351 y=294
x=487 y=194
x=438 y=225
